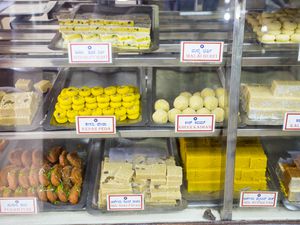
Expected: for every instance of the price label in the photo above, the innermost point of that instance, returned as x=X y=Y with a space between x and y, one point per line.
x=90 y=53
x=96 y=124
x=258 y=199
x=18 y=206
x=195 y=123
x=291 y=121
x=201 y=51
x=127 y=202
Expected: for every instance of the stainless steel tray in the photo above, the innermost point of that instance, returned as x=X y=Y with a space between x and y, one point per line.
x=97 y=76
x=89 y=9
x=28 y=8
x=168 y=83
x=83 y=148
x=162 y=146
x=10 y=76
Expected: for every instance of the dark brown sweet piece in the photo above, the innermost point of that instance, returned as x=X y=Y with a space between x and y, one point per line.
x=63 y=161
x=62 y=193
x=44 y=175
x=34 y=176
x=20 y=192
x=66 y=174
x=3 y=144
x=76 y=176
x=3 y=175
x=56 y=176
x=74 y=159
x=26 y=158
x=12 y=178
x=42 y=193
x=54 y=153
x=14 y=157
x=51 y=194
x=74 y=194
x=37 y=158
x=24 y=178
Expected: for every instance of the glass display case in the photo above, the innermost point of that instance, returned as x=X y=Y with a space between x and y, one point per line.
x=97 y=99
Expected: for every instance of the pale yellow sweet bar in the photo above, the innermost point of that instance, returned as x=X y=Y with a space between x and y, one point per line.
x=124 y=175
x=285 y=88
x=42 y=86
x=24 y=84
x=166 y=196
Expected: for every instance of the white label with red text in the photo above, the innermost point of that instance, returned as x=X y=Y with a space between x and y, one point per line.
x=258 y=199
x=90 y=53
x=18 y=206
x=195 y=123
x=126 y=202
x=96 y=124
x=291 y=121
x=201 y=51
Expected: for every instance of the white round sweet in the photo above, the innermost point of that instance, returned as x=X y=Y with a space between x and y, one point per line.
x=160 y=116
x=196 y=102
x=275 y=25
x=203 y=111
x=207 y=92
x=181 y=102
x=222 y=101
x=274 y=32
x=220 y=91
x=219 y=114
x=268 y=38
x=287 y=32
x=188 y=111
x=289 y=25
x=211 y=102
x=186 y=94
x=172 y=114
x=295 y=38
x=197 y=93
x=162 y=104
x=282 y=38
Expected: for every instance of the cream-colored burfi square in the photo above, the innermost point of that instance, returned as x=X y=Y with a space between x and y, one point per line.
x=285 y=88
x=174 y=171
x=124 y=175
x=158 y=171
x=42 y=86
x=24 y=84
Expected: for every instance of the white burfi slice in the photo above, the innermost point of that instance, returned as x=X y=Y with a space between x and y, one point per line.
x=24 y=84
x=285 y=88
x=266 y=114
x=174 y=172
x=158 y=171
x=174 y=195
x=164 y=188
x=142 y=172
x=124 y=175
x=162 y=181
x=42 y=86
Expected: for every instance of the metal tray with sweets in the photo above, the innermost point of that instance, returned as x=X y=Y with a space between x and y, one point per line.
x=124 y=150
x=93 y=77
x=27 y=8
x=81 y=146
x=179 y=80
x=8 y=80
x=94 y=10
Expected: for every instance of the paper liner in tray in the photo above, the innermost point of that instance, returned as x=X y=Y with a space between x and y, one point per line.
x=123 y=149
x=35 y=76
x=93 y=77
x=81 y=146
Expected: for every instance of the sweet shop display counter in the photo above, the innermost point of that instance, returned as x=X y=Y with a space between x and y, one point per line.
x=149 y=164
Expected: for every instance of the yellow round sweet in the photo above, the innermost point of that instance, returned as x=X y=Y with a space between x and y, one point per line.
x=97 y=112
x=63 y=92
x=91 y=105
x=137 y=103
x=65 y=107
x=108 y=111
x=72 y=91
x=121 y=111
x=84 y=112
x=103 y=105
x=103 y=98
x=129 y=97
x=72 y=119
x=90 y=99
x=132 y=89
x=115 y=104
x=78 y=100
x=97 y=90
x=84 y=91
x=59 y=114
x=58 y=108
x=61 y=119
x=127 y=104
x=121 y=118
x=77 y=107
x=72 y=113
x=123 y=90
x=133 y=110
x=116 y=98
x=133 y=116
x=137 y=96
x=111 y=90
x=64 y=100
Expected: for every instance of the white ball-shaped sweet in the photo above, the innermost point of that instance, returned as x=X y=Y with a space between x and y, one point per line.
x=197 y=93
x=207 y=92
x=222 y=101
x=160 y=116
x=189 y=111
x=219 y=92
x=186 y=94
x=181 y=102
x=211 y=102
x=172 y=114
x=203 y=111
x=219 y=114
x=162 y=104
x=196 y=102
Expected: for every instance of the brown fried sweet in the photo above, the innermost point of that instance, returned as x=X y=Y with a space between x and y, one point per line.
x=14 y=157
x=31 y=192
x=42 y=193
x=3 y=144
x=62 y=193
x=44 y=175
x=74 y=194
x=51 y=194
x=34 y=176
x=56 y=176
x=20 y=192
x=63 y=161
x=12 y=178
x=74 y=159
x=3 y=175
x=37 y=158
x=24 y=178
x=7 y=192
x=26 y=158
x=54 y=153
x=76 y=176
x=66 y=174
